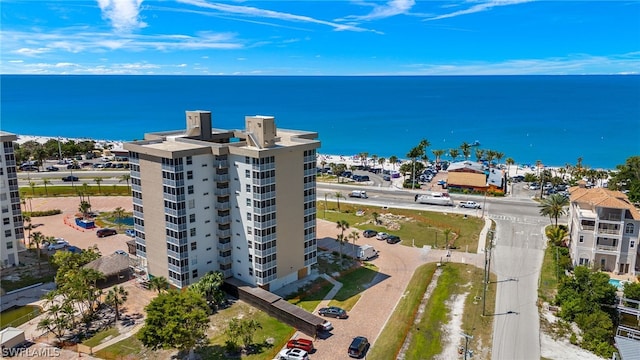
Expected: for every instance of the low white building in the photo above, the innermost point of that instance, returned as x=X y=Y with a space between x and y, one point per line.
x=603 y=228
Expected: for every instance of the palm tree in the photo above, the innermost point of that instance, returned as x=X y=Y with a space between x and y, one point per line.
x=209 y=286
x=119 y=214
x=446 y=233
x=393 y=160
x=46 y=182
x=98 y=180
x=510 y=162
x=479 y=154
x=36 y=239
x=342 y=225
x=414 y=154
x=556 y=234
x=554 y=207
x=355 y=235
x=126 y=177
x=323 y=162
x=499 y=155
x=116 y=297
x=438 y=153
x=490 y=155
x=375 y=217
x=159 y=283
x=84 y=208
x=454 y=153
x=32 y=185
x=338 y=195
x=374 y=159
x=27 y=219
x=381 y=162
x=466 y=150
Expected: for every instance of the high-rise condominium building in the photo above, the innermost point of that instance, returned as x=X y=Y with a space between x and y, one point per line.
x=239 y=201
x=12 y=223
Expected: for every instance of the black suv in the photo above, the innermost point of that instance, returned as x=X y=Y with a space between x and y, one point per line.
x=392 y=239
x=358 y=347
x=105 y=232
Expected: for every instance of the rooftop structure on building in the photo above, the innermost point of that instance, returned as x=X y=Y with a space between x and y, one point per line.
x=239 y=201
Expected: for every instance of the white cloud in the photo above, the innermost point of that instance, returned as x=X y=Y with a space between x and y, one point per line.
x=31 y=52
x=483 y=6
x=65 y=64
x=390 y=8
x=182 y=65
x=262 y=13
x=16 y=61
x=124 y=15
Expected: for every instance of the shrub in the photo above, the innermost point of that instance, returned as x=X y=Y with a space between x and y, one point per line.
x=42 y=213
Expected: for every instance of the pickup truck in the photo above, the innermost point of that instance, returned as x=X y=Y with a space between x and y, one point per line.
x=304 y=344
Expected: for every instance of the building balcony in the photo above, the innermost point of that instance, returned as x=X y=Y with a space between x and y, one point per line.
x=227 y=273
x=225 y=260
x=221 y=191
x=265 y=196
x=173 y=168
x=140 y=253
x=264 y=167
x=174 y=198
x=310 y=198
x=264 y=210
x=264 y=239
x=223 y=219
x=223 y=233
x=222 y=205
x=178 y=269
x=138 y=214
x=173 y=183
x=135 y=174
x=135 y=187
x=176 y=213
x=263 y=253
x=176 y=227
x=221 y=163
x=264 y=224
x=310 y=261
x=136 y=201
x=309 y=185
x=310 y=159
x=177 y=242
x=587 y=228
x=263 y=182
x=309 y=211
x=224 y=246
x=608 y=248
x=609 y=231
x=10 y=162
x=310 y=172
x=264 y=267
x=177 y=255
x=221 y=177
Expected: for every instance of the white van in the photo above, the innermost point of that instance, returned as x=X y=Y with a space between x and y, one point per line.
x=358 y=194
x=366 y=252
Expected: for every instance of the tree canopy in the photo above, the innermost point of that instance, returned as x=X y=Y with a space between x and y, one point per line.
x=175 y=320
x=627 y=178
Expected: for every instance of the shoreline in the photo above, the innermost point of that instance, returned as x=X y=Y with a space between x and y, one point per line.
x=352 y=160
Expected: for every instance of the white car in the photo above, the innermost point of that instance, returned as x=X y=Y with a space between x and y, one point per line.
x=382 y=236
x=293 y=354
x=469 y=205
x=59 y=244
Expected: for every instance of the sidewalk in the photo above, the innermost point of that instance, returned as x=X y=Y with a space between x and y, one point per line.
x=482 y=240
x=331 y=294
x=25 y=297
x=118 y=338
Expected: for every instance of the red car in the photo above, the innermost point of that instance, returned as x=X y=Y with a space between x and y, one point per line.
x=304 y=344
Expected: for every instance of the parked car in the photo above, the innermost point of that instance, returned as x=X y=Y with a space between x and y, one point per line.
x=333 y=311
x=105 y=232
x=73 y=166
x=369 y=233
x=393 y=239
x=74 y=249
x=386 y=178
x=293 y=354
x=70 y=178
x=130 y=232
x=325 y=326
x=52 y=168
x=59 y=244
x=120 y=252
x=304 y=344
x=469 y=205
x=534 y=186
x=29 y=168
x=359 y=346
x=382 y=236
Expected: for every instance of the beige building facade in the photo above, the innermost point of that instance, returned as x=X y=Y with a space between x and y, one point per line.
x=12 y=222
x=239 y=201
x=603 y=228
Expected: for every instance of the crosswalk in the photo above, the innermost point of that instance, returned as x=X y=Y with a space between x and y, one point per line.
x=518 y=220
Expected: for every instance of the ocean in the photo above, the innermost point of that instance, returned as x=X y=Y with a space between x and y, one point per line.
x=554 y=119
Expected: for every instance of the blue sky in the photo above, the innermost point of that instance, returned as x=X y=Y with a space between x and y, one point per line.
x=397 y=37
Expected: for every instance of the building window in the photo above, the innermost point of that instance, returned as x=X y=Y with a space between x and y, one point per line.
x=192 y=231
x=248 y=188
x=248 y=202
x=581 y=238
x=6 y=221
x=7 y=233
x=192 y=204
x=194 y=245
x=190 y=189
x=247 y=173
x=189 y=175
x=628 y=229
x=192 y=218
x=249 y=230
x=248 y=216
x=194 y=273
x=10 y=245
x=189 y=160
x=632 y=244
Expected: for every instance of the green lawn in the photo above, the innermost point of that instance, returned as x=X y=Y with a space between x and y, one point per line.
x=310 y=298
x=91 y=189
x=18 y=316
x=97 y=339
x=353 y=284
x=426 y=341
x=548 y=275
x=129 y=348
x=417 y=227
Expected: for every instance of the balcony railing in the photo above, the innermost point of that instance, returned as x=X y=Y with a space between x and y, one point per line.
x=173 y=212
x=173 y=168
x=177 y=242
x=588 y=227
x=222 y=205
x=224 y=260
x=606 y=247
x=137 y=201
x=264 y=167
x=223 y=233
x=263 y=182
x=177 y=255
x=609 y=231
x=263 y=267
x=610 y=217
x=223 y=219
x=264 y=210
x=264 y=239
x=178 y=269
x=174 y=198
x=173 y=183
x=265 y=196
x=176 y=227
x=263 y=253
x=224 y=246
x=221 y=163
x=264 y=224
x=221 y=191
x=227 y=273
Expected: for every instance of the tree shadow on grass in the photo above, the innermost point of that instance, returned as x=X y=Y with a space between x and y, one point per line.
x=219 y=352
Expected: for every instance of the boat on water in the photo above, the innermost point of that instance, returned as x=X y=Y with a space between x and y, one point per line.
x=475 y=143
x=434 y=198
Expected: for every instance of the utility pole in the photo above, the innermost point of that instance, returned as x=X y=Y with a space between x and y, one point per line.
x=487 y=270
x=466 y=344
